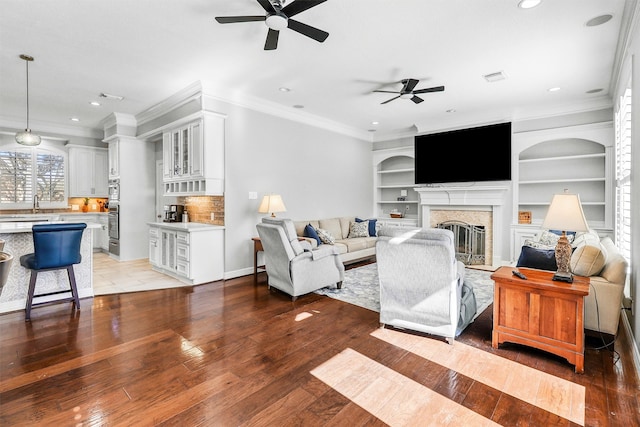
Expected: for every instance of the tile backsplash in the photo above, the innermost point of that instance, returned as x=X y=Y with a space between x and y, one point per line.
x=200 y=208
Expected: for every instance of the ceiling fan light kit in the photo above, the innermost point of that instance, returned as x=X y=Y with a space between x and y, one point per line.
x=26 y=137
x=278 y=18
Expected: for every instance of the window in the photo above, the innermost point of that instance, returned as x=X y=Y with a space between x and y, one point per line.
x=30 y=171
x=623 y=178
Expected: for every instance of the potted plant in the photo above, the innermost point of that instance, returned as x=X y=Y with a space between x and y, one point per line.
x=85 y=207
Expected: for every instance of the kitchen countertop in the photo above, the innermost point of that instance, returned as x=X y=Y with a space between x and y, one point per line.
x=186 y=226
x=25 y=226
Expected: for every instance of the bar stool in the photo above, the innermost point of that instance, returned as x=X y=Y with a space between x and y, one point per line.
x=56 y=247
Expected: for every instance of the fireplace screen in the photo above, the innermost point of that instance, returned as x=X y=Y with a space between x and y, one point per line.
x=468 y=240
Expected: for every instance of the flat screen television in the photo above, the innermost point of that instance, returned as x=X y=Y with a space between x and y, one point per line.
x=464 y=155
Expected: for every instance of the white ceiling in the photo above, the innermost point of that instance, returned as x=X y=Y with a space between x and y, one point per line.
x=147 y=50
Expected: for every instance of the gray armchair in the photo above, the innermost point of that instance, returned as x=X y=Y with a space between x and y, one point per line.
x=420 y=280
x=292 y=266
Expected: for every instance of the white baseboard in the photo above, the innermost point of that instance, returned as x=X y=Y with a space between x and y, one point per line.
x=633 y=344
x=237 y=273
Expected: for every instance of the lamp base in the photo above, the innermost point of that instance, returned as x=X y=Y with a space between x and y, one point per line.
x=561 y=276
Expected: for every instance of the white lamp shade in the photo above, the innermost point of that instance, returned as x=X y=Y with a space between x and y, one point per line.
x=272 y=203
x=565 y=214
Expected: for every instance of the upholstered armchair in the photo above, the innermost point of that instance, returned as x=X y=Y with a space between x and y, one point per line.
x=420 y=280
x=291 y=265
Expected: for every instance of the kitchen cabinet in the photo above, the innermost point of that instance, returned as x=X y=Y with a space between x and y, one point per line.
x=193 y=157
x=88 y=172
x=114 y=159
x=100 y=234
x=190 y=252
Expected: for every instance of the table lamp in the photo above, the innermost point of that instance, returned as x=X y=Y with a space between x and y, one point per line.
x=272 y=203
x=565 y=214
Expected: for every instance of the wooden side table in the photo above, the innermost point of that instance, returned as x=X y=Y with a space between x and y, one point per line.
x=540 y=313
x=257 y=247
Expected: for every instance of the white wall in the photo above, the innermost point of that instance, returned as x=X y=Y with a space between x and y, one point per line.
x=320 y=174
x=630 y=69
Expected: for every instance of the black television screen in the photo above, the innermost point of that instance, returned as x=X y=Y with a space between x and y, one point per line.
x=464 y=155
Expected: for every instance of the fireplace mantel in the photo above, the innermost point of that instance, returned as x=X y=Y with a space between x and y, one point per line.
x=478 y=197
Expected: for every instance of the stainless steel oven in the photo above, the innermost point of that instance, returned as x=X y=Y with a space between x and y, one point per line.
x=114 y=227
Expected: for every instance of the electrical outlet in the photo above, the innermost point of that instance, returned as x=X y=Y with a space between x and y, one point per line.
x=213 y=216
x=406 y=208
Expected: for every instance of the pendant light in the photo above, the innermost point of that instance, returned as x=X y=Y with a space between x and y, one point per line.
x=26 y=137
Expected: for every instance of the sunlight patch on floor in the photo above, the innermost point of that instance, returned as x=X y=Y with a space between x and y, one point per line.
x=553 y=394
x=390 y=396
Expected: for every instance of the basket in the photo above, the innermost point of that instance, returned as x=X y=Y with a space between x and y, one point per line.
x=396 y=215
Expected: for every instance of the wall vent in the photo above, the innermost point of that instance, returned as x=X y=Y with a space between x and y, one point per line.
x=495 y=77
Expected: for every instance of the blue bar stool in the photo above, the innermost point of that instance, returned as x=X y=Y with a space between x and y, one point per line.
x=56 y=247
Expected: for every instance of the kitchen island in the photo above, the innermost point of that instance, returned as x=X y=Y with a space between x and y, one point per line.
x=19 y=241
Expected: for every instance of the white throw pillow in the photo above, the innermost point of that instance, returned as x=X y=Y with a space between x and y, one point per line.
x=325 y=236
x=359 y=229
x=588 y=260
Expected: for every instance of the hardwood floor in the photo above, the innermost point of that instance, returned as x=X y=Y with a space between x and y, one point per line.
x=235 y=353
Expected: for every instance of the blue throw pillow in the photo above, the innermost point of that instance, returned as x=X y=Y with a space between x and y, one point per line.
x=372 y=225
x=542 y=259
x=309 y=231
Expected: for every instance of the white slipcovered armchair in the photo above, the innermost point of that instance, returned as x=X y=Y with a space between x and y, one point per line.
x=291 y=265
x=420 y=280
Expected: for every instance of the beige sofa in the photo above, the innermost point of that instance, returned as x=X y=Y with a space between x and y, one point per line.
x=351 y=249
x=601 y=261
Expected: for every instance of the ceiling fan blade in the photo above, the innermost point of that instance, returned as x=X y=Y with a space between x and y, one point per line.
x=417 y=99
x=233 y=19
x=307 y=30
x=267 y=6
x=272 y=40
x=389 y=100
x=409 y=85
x=430 y=89
x=386 y=91
x=300 y=6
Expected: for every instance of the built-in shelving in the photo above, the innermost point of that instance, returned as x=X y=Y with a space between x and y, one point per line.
x=394 y=177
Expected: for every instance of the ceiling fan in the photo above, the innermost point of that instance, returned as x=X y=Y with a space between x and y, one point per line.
x=407 y=91
x=278 y=18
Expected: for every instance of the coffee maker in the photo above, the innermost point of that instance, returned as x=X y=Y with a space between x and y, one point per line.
x=173 y=213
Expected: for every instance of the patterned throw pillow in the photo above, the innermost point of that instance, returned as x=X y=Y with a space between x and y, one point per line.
x=550 y=238
x=359 y=229
x=325 y=236
x=537 y=245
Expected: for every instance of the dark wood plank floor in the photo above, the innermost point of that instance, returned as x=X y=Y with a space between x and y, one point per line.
x=235 y=353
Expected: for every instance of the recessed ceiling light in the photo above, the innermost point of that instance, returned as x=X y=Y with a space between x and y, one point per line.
x=284 y=89
x=528 y=4
x=599 y=20
x=595 y=90
x=451 y=110
x=95 y=103
x=298 y=106
x=375 y=123
x=74 y=119
x=553 y=89
x=371 y=130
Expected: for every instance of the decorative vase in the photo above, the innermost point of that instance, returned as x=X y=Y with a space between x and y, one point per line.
x=85 y=208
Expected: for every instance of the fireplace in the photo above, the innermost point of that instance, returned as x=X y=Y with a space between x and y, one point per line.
x=468 y=241
x=478 y=205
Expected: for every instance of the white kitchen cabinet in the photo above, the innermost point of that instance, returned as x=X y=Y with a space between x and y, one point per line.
x=154 y=246
x=191 y=252
x=88 y=172
x=100 y=235
x=193 y=157
x=114 y=159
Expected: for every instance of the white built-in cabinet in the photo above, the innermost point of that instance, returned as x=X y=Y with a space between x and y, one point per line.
x=114 y=159
x=88 y=171
x=100 y=235
x=193 y=157
x=191 y=253
x=576 y=158
x=394 y=175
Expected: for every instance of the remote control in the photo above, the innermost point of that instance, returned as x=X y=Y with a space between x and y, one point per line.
x=520 y=275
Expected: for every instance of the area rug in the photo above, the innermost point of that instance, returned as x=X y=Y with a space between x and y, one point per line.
x=360 y=287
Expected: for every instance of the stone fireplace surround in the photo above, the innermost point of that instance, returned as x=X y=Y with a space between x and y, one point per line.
x=478 y=202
